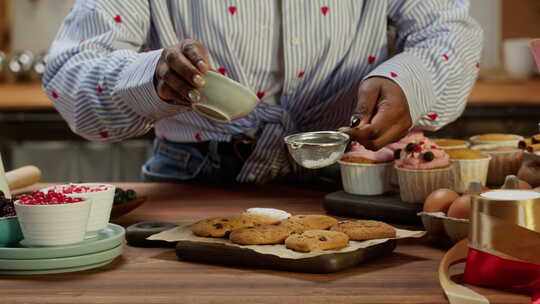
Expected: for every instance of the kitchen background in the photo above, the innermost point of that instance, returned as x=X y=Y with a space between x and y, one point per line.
x=31 y=132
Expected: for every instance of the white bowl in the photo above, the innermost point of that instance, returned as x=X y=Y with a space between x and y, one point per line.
x=102 y=203
x=53 y=225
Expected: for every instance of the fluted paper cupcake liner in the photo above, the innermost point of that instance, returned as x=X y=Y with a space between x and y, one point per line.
x=502 y=163
x=365 y=179
x=416 y=185
x=468 y=170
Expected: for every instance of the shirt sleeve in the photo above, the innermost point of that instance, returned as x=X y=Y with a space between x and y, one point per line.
x=96 y=77
x=437 y=63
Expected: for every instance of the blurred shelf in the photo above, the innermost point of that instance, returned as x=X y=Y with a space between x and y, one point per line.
x=506 y=93
x=23 y=97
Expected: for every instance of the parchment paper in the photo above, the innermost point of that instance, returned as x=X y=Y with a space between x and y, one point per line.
x=183 y=233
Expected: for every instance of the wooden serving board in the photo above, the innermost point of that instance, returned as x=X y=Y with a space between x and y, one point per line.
x=387 y=208
x=215 y=253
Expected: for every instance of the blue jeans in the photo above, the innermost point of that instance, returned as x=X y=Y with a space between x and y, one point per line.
x=181 y=163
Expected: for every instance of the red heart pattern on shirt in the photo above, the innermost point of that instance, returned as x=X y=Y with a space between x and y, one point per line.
x=260 y=94
x=433 y=116
x=222 y=71
x=301 y=74
x=371 y=59
x=104 y=134
x=232 y=10
x=118 y=19
x=478 y=65
x=198 y=137
x=445 y=57
x=99 y=89
x=394 y=75
x=54 y=94
x=324 y=10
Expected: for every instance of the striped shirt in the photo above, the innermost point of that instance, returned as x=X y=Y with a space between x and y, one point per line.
x=101 y=65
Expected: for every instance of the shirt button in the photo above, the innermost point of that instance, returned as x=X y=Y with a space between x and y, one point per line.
x=296 y=41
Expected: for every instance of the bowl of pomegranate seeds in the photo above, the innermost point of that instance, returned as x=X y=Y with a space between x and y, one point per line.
x=52 y=219
x=102 y=196
x=9 y=224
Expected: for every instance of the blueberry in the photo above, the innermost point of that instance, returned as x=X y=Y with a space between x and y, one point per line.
x=428 y=156
x=355 y=122
x=410 y=147
x=2 y=194
x=397 y=154
x=131 y=194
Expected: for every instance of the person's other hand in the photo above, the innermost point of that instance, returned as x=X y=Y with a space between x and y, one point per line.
x=179 y=72
x=384 y=113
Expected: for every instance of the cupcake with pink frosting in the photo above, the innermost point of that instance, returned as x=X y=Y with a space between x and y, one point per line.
x=397 y=147
x=366 y=172
x=422 y=167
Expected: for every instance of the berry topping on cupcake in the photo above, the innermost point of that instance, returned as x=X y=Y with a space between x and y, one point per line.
x=422 y=155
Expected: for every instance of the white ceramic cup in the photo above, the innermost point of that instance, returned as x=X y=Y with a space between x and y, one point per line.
x=53 y=225
x=518 y=59
x=102 y=202
x=224 y=99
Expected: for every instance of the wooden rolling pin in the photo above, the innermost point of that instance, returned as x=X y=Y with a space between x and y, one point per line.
x=23 y=177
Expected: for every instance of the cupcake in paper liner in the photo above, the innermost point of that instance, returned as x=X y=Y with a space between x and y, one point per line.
x=397 y=147
x=365 y=172
x=499 y=139
x=449 y=143
x=468 y=165
x=422 y=168
x=505 y=160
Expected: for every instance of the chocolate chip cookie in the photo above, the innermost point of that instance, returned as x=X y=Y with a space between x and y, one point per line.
x=301 y=223
x=260 y=235
x=221 y=226
x=316 y=239
x=362 y=230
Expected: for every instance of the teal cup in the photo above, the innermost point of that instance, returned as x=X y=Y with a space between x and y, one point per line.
x=10 y=231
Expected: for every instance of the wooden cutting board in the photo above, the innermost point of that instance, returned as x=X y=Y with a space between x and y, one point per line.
x=388 y=208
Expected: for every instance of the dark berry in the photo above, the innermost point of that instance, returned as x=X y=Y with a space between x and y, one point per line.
x=428 y=156
x=355 y=122
x=322 y=239
x=410 y=147
x=2 y=194
x=131 y=194
x=397 y=154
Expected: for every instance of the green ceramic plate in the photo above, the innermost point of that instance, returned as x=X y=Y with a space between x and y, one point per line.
x=108 y=238
x=59 y=270
x=61 y=264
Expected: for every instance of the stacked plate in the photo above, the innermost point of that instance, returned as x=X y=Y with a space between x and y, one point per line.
x=93 y=253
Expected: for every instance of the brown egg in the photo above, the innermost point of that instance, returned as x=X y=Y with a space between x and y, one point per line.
x=524 y=185
x=461 y=207
x=440 y=200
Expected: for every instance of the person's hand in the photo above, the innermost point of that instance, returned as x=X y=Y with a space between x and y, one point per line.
x=384 y=113
x=179 y=72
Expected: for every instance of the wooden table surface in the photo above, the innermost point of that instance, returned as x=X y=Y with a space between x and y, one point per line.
x=31 y=97
x=154 y=275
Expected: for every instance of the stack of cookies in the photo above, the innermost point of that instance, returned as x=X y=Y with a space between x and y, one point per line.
x=303 y=233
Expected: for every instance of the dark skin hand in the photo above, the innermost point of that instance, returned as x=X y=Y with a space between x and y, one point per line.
x=384 y=112
x=179 y=72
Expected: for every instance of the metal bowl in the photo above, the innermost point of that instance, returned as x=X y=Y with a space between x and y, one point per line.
x=315 y=150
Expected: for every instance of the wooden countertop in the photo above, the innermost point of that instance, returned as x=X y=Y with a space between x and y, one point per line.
x=154 y=275
x=31 y=96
